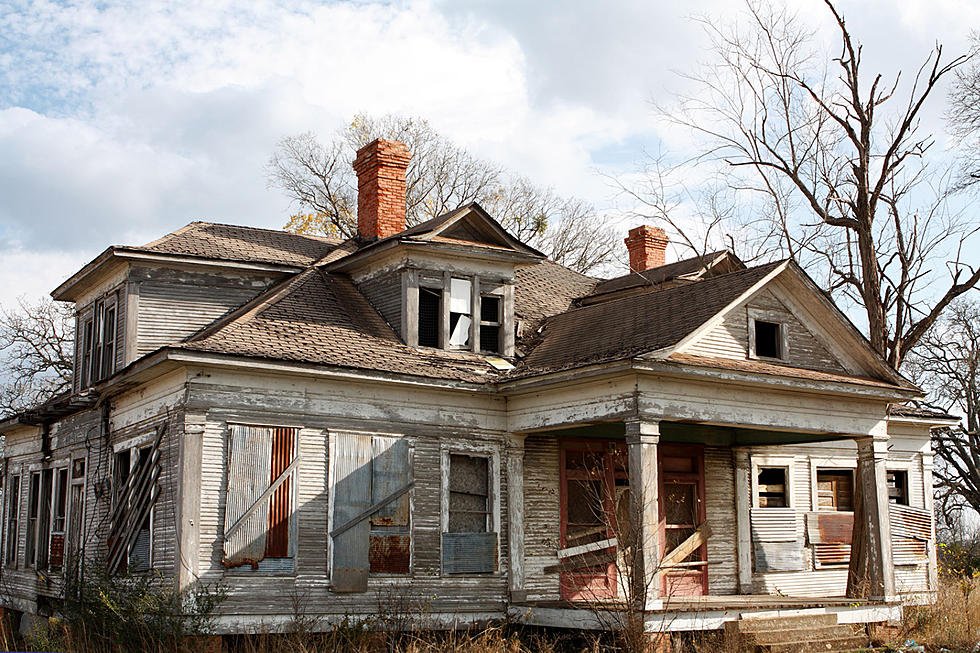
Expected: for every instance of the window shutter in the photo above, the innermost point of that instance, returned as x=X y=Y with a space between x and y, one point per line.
x=248 y=477
x=352 y=496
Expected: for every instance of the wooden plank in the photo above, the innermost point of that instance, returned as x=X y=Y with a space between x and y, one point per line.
x=697 y=539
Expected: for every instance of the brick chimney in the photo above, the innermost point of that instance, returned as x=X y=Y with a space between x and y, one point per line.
x=647 y=246
x=380 y=166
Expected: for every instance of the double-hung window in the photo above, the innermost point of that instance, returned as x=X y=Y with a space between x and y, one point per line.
x=13 y=519
x=76 y=508
x=97 y=335
x=470 y=529
x=370 y=530
x=59 y=518
x=260 y=524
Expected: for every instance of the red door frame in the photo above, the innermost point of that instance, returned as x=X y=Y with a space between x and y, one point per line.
x=604 y=447
x=696 y=453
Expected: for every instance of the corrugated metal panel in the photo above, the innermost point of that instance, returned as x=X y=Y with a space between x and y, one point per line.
x=910 y=522
x=469 y=553
x=352 y=496
x=912 y=579
x=774 y=524
x=280 y=503
x=832 y=554
x=829 y=527
x=819 y=583
x=248 y=477
x=391 y=543
x=778 y=556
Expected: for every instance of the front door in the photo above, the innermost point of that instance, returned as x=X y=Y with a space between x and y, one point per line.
x=594 y=485
x=682 y=512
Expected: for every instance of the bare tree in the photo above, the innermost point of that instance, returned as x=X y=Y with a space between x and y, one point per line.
x=837 y=159
x=441 y=177
x=964 y=119
x=947 y=364
x=36 y=345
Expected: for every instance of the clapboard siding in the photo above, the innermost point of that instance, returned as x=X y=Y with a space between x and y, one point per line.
x=730 y=339
x=719 y=496
x=257 y=594
x=541 y=516
x=384 y=292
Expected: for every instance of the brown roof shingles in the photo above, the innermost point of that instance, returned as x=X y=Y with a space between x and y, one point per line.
x=630 y=326
x=546 y=288
x=322 y=318
x=236 y=243
x=658 y=274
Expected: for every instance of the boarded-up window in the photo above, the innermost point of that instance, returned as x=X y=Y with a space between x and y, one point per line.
x=470 y=543
x=898 y=487
x=830 y=536
x=771 y=483
x=911 y=530
x=259 y=497
x=139 y=552
x=13 y=518
x=134 y=494
x=372 y=476
x=835 y=490
x=33 y=512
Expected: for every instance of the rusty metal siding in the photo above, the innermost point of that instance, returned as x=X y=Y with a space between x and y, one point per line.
x=390 y=539
x=911 y=530
x=249 y=450
x=280 y=503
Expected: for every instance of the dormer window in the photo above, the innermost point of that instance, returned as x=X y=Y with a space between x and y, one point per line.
x=97 y=334
x=458 y=313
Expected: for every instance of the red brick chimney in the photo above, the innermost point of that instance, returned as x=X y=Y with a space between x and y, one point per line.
x=380 y=166
x=647 y=246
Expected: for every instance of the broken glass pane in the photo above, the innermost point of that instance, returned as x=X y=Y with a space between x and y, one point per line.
x=460 y=294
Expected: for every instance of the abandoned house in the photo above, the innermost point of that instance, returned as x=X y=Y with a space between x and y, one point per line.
x=441 y=411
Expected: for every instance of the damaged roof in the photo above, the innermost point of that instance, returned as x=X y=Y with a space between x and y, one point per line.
x=236 y=243
x=663 y=273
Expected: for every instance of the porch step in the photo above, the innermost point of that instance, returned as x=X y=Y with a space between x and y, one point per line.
x=809 y=633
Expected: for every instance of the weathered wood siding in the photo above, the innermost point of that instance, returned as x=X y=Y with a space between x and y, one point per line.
x=542 y=512
x=384 y=291
x=432 y=421
x=719 y=496
x=174 y=303
x=730 y=339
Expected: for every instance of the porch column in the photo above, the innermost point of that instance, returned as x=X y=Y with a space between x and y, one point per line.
x=642 y=438
x=871 y=574
x=743 y=532
x=928 y=500
x=515 y=513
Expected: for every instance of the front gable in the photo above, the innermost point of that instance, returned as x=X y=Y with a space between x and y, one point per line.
x=813 y=333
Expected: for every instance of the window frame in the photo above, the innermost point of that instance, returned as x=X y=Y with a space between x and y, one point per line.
x=760 y=315
x=760 y=462
x=132 y=447
x=415 y=281
x=12 y=515
x=97 y=353
x=492 y=453
x=906 y=490
x=73 y=528
x=833 y=470
x=293 y=527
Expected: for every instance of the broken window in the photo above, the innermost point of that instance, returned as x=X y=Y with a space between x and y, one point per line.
x=13 y=518
x=898 y=487
x=57 y=547
x=469 y=543
x=259 y=502
x=135 y=473
x=490 y=321
x=771 y=483
x=460 y=312
x=835 y=490
x=97 y=358
x=768 y=339
x=430 y=315
x=33 y=512
x=76 y=507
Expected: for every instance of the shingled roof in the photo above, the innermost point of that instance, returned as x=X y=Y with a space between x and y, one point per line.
x=546 y=288
x=629 y=326
x=660 y=274
x=322 y=318
x=236 y=243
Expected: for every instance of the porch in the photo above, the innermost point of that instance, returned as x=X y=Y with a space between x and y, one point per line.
x=693 y=545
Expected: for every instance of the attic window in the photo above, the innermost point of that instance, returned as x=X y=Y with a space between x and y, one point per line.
x=460 y=313
x=768 y=339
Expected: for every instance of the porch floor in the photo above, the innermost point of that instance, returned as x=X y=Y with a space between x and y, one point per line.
x=717 y=602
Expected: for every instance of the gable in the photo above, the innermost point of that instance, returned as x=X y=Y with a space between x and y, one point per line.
x=730 y=338
x=474 y=231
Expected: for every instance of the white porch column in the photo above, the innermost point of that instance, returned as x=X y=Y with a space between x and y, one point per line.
x=643 y=438
x=515 y=512
x=871 y=573
x=928 y=501
x=743 y=532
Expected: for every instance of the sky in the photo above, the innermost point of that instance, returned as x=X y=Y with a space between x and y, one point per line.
x=120 y=122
